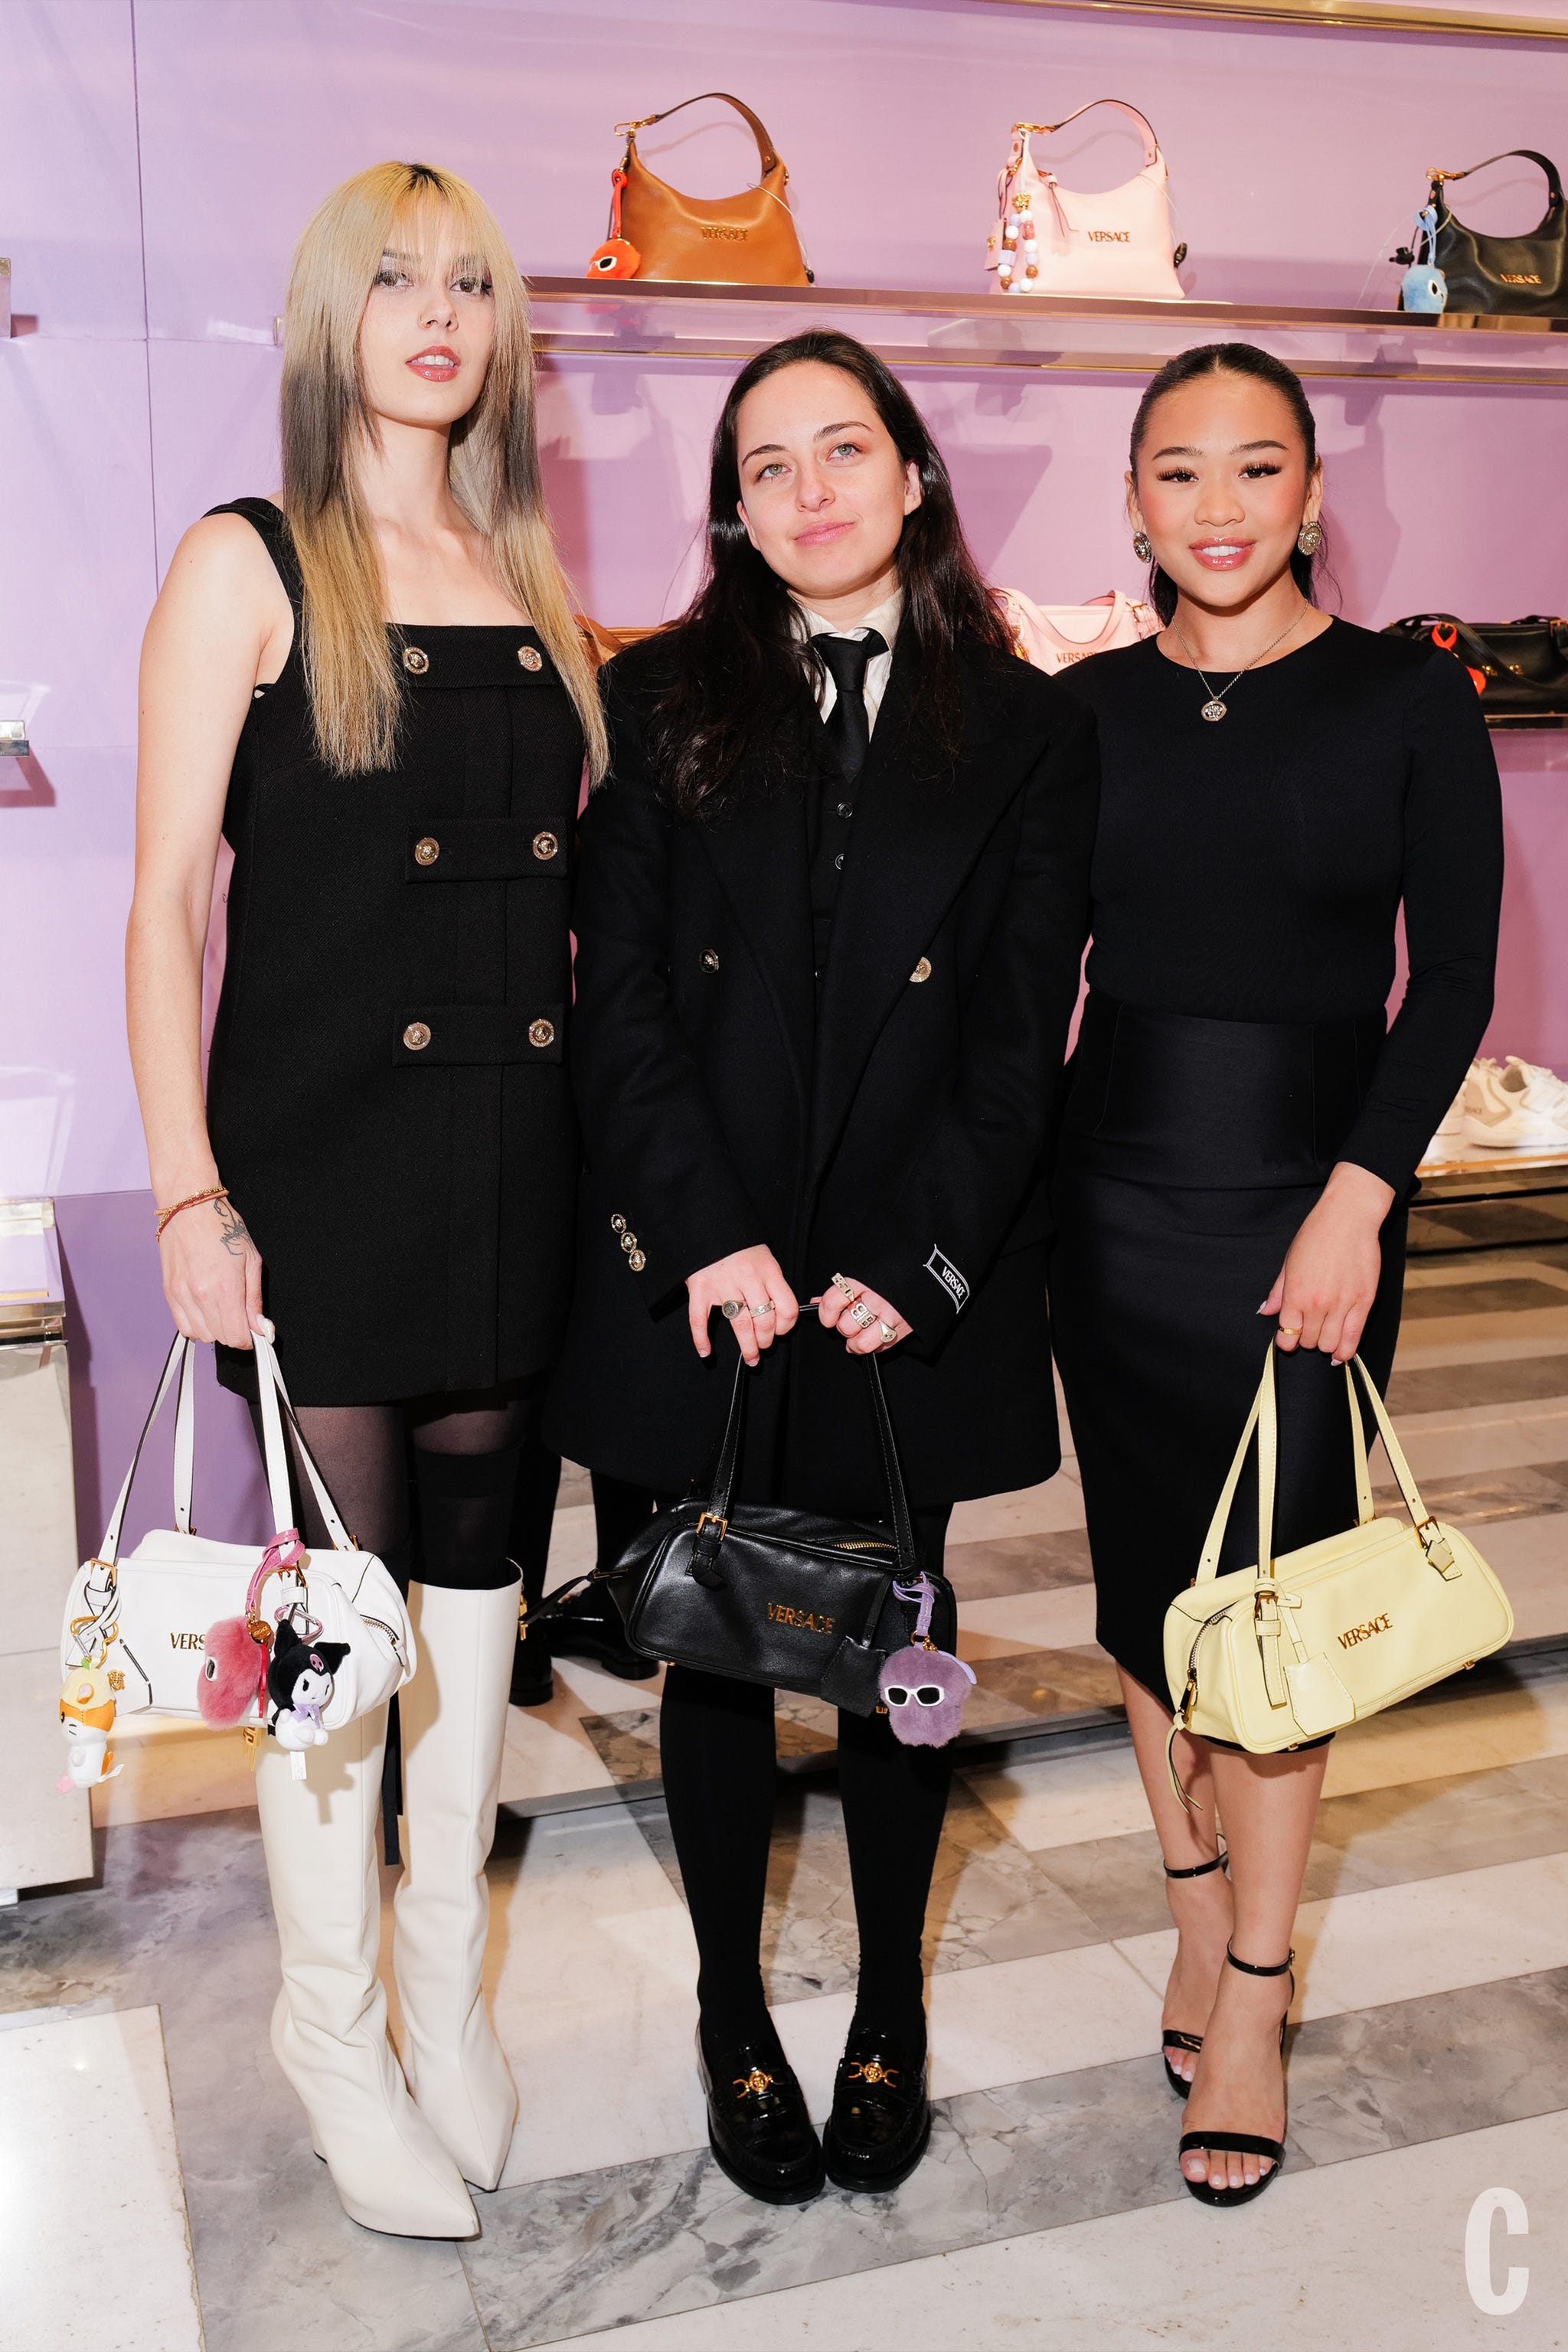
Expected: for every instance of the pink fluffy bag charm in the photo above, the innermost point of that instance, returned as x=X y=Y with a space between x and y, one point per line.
x=924 y=1688
x=231 y=1688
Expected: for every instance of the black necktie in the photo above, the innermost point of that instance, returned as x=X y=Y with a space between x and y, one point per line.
x=846 y=726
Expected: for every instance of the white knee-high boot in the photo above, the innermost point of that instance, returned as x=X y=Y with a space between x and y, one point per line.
x=454 y=1726
x=329 y=2026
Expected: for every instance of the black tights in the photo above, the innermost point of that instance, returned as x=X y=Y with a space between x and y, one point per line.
x=715 y=1738
x=463 y=1449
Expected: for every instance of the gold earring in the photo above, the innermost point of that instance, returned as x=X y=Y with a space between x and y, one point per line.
x=1141 y=546
x=1310 y=538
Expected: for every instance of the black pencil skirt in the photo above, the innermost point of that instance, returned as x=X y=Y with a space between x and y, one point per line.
x=1155 y=1287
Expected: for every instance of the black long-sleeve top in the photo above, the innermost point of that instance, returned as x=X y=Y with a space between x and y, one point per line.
x=1251 y=870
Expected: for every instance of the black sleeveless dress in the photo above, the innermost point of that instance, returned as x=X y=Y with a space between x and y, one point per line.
x=387 y=1095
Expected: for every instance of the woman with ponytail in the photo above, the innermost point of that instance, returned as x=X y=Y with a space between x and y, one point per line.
x=1241 y=1134
x=373 y=686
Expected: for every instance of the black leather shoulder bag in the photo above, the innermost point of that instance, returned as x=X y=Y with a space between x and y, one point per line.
x=1519 y=667
x=1526 y=274
x=768 y=1594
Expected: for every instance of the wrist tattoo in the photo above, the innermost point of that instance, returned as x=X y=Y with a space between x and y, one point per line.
x=233 y=1231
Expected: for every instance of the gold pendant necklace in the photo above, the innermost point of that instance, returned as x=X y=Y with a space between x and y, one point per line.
x=1214 y=709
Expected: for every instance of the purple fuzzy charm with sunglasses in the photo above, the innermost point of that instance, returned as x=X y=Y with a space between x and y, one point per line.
x=924 y=1688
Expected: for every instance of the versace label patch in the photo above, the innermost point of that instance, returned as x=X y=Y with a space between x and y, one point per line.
x=948 y=1274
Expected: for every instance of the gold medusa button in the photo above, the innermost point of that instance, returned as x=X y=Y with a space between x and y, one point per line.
x=630 y=1243
x=921 y=970
x=545 y=844
x=710 y=958
x=636 y=1261
x=618 y=1222
x=415 y=660
x=541 y=1032
x=428 y=851
x=416 y=1036
x=529 y=658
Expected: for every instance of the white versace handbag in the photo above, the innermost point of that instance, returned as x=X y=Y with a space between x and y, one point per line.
x=1054 y=241
x=239 y=1635
x=1270 y=1655
x=1054 y=637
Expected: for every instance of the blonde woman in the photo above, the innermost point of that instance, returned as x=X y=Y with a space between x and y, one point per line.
x=372 y=685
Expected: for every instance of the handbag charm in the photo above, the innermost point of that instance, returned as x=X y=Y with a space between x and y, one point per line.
x=86 y=1719
x=1054 y=241
x=655 y=233
x=924 y=1688
x=1423 y=285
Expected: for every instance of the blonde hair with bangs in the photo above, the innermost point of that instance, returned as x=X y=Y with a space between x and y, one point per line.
x=354 y=685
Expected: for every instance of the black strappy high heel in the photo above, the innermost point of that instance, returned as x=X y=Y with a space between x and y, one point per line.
x=1246 y=2142
x=1170 y=2038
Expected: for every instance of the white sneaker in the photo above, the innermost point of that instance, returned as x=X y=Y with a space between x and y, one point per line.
x=1524 y=1106
x=1448 y=1141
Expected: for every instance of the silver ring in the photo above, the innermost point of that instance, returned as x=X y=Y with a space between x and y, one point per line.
x=848 y=1288
x=731 y=1308
x=889 y=1330
x=768 y=1309
x=861 y=1314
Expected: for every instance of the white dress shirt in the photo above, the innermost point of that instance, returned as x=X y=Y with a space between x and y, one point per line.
x=884 y=618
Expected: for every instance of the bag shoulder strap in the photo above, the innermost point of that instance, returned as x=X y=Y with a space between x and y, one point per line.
x=766 y=151
x=1527 y=154
x=274 y=1394
x=1023 y=132
x=1263 y=1418
x=174 y=1362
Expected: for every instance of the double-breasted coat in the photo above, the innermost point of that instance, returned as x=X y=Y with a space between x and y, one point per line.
x=891 y=1122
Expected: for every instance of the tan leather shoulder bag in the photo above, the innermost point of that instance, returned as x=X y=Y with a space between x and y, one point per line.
x=744 y=240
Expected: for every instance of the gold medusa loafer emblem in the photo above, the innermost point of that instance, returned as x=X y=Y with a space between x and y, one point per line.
x=753 y=2083
x=873 y=2072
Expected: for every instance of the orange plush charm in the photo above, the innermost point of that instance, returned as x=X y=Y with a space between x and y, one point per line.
x=87 y=1719
x=616 y=257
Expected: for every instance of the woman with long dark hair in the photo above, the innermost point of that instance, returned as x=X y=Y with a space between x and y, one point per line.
x=832 y=902
x=1241 y=1135
x=374 y=686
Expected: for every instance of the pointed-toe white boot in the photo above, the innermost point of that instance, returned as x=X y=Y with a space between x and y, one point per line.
x=454 y=1726
x=329 y=2027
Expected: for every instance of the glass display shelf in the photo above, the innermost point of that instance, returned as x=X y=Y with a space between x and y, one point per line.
x=1069 y=336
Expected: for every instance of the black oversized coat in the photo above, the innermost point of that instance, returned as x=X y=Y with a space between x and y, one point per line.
x=893 y=1127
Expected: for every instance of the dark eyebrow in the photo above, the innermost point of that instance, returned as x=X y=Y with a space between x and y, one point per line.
x=768 y=449
x=1240 y=450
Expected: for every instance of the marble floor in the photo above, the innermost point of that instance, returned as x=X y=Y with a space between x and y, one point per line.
x=1428 y=2059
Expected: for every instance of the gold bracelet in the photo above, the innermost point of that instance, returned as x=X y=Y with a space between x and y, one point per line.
x=216 y=1193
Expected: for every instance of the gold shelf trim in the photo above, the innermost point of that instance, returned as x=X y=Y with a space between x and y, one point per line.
x=1326 y=16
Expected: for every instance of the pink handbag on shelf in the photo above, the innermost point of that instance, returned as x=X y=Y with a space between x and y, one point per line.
x=1054 y=637
x=1052 y=240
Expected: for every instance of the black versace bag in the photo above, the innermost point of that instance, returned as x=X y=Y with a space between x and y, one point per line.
x=1519 y=667
x=778 y=1596
x=1525 y=274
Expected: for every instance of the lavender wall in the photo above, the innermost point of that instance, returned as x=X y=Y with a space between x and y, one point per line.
x=162 y=154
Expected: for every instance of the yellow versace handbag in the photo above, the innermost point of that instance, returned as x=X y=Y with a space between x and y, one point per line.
x=1270 y=1655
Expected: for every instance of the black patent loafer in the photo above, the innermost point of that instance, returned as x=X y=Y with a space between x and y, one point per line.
x=880 y=2122
x=758 y=2126
x=588 y=1625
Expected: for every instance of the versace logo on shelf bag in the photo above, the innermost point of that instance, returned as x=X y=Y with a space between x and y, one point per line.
x=657 y=232
x=1528 y=273
x=1520 y=668
x=183 y=1611
x=1054 y=241
x=1284 y=1651
x=1055 y=636
x=793 y=1599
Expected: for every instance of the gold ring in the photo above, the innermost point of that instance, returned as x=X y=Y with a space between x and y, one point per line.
x=861 y=1314
x=889 y=1330
x=731 y=1308
x=1291 y=1330
x=848 y=1288
x=769 y=1309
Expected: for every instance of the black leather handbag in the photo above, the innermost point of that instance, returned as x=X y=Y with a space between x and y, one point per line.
x=1519 y=667
x=1525 y=274
x=768 y=1594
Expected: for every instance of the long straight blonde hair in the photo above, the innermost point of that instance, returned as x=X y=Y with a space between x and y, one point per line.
x=493 y=462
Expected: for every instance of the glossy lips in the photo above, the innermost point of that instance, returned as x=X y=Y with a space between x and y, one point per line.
x=822 y=534
x=1221 y=554
x=437 y=363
